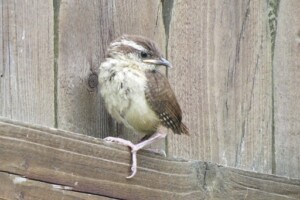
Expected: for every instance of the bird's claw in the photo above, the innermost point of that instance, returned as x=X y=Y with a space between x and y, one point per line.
x=163 y=153
x=108 y=139
x=133 y=170
x=158 y=151
x=119 y=141
x=134 y=149
x=134 y=162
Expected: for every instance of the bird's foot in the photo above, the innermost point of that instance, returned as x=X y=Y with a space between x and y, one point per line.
x=134 y=149
x=158 y=151
x=133 y=165
x=119 y=141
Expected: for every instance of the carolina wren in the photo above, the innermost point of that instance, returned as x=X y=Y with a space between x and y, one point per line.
x=137 y=94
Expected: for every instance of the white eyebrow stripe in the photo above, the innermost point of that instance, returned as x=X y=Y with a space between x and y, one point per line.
x=129 y=43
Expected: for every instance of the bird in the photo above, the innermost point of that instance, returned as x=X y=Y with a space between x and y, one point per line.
x=137 y=94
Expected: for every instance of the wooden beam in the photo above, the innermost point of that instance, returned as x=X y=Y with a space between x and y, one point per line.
x=18 y=187
x=86 y=165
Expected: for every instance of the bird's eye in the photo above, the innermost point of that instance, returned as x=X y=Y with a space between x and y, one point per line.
x=144 y=54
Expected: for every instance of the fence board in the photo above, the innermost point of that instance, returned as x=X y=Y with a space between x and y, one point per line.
x=85 y=165
x=221 y=51
x=85 y=30
x=26 y=71
x=286 y=90
x=222 y=55
x=17 y=187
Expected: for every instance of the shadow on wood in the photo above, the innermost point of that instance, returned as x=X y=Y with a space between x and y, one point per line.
x=46 y=163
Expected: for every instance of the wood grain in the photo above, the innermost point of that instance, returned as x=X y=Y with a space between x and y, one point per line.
x=85 y=30
x=221 y=51
x=82 y=165
x=18 y=187
x=81 y=43
x=26 y=70
x=286 y=91
x=222 y=75
x=89 y=166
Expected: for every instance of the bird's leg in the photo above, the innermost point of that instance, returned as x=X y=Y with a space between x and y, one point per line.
x=160 y=152
x=119 y=141
x=136 y=147
x=154 y=150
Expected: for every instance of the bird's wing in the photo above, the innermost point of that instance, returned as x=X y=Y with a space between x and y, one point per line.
x=162 y=100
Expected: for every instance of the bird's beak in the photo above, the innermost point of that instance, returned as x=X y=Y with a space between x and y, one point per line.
x=160 y=61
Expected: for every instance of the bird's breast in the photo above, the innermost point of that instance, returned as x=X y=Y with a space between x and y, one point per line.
x=123 y=90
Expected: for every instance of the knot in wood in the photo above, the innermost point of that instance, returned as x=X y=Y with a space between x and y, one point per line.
x=93 y=80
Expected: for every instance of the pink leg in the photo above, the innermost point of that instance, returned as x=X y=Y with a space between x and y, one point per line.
x=136 y=147
x=157 y=151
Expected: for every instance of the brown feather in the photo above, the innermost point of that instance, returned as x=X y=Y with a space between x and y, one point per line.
x=162 y=100
x=149 y=45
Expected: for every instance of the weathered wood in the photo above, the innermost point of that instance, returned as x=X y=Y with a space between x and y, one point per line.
x=222 y=75
x=89 y=166
x=81 y=43
x=286 y=90
x=86 y=165
x=26 y=61
x=17 y=187
x=221 y=52
x=85 y=30
x=2 y=52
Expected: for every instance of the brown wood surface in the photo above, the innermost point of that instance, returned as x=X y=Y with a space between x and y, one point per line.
x=286 y=91
x=39 y=160
x=241 y=112
x=85 y=30
x=18 y=187
x=222 y=75
x=26 y=61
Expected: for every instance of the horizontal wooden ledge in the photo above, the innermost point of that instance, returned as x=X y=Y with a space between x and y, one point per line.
x=88 y=166
x=18 y=187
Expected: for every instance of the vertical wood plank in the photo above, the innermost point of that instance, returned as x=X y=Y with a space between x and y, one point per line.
x=286 y=90
x=26 y=72
x=85 y=30
x=81 y=42
x=1 y=45
x=222 y=77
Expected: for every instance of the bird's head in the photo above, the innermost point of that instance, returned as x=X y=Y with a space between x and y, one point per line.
x=137 y=50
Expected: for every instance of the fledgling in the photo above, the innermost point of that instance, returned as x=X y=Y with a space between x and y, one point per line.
x=137 y=94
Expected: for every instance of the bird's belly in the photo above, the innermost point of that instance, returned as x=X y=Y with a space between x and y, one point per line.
x=125 y=100
x=141 y=117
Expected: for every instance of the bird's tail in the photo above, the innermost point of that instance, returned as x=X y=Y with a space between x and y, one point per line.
x=184 y=129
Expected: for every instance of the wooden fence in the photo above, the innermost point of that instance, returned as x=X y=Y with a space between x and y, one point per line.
x=236 y=74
